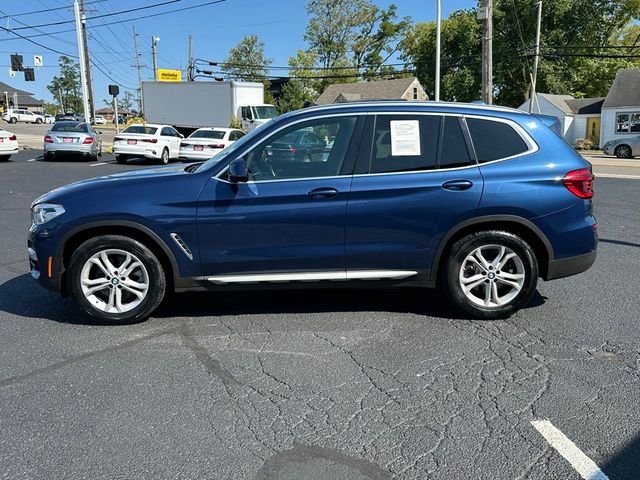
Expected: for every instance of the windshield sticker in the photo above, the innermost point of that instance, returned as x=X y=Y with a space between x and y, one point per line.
x=405 y=138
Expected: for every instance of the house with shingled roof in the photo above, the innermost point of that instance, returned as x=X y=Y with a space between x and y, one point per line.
x=11 y=97
x=612 y=117
x=397 y=89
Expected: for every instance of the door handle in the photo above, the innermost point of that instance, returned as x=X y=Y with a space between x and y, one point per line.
x=322 y=192
x=457 y=185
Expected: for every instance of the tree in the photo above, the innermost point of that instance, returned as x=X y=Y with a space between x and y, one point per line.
x=247 y=61
x=569 y=29
x=461 y=69
x=50 y=108
x=294 y=96
x=127 y=101
x=65 y=87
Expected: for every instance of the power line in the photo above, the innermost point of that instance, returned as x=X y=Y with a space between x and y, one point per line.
x=100 y=16
x=38 y=44
x=129 y=19
x=24 y=14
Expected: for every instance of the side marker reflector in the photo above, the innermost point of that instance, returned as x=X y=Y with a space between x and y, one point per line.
x=50 y=267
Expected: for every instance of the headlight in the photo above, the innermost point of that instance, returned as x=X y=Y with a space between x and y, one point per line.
x=43 y=212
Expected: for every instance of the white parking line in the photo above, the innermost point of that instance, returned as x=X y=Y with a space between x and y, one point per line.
x=31 y=160
x=99 y=163
x=565 y=447
x=617 y=175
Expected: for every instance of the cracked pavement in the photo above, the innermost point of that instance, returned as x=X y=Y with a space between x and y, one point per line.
x=348 y=384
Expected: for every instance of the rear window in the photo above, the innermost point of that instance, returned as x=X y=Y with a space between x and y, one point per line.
x=140 y=129
x=494 y=140
x=70 y=127
x=215 y=134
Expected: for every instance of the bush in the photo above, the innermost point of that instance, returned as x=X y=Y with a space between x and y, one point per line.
x=235 y=123
x=584 y=144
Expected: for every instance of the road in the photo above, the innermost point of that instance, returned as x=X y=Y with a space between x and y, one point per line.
x=319 y=384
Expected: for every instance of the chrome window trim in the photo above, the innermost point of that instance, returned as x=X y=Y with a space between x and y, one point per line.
x=531 y=144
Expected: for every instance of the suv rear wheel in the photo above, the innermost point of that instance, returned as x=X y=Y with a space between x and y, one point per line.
x=116 y=279
x=490 y=274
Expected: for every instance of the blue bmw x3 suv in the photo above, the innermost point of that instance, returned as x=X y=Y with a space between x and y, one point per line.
x=481 y=201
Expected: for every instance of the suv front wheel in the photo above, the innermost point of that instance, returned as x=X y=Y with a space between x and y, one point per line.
x=490 y=274
x=116 y=279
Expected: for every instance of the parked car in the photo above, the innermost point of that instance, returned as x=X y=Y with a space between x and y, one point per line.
x=69 y=117
x=99 y=120
x=206 y=142
x=158 y=142
x=8 y=144
x=481 y=201
x=298 y=146
x=623 y=147
x=72 y=138
x=49 y=118
x=18 y=115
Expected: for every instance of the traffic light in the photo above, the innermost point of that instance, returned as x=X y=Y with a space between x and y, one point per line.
x=16 y=62
x=114 y=90
x=29 y=75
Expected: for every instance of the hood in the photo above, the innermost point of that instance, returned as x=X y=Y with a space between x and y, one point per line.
x=120 y=179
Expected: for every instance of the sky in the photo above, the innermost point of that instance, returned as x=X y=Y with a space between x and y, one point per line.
x=215 y=28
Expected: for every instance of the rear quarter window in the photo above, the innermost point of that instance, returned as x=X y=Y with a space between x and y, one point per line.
x=493 y=140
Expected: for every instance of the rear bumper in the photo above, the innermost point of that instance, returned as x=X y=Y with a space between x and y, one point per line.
x=566 y=267
x=76 y=148
x=147 y=152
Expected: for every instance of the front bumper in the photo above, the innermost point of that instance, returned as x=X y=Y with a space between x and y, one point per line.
x=44 y=266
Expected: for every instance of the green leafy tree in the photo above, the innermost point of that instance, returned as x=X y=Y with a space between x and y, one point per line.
x=248 y=62
x=65 y=87
x=294 y=96
x=50 y=108
x=569 y=29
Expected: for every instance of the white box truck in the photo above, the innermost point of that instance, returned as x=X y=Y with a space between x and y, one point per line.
x=191 y=105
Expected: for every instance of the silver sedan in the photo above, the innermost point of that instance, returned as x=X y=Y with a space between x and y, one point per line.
x=72 y=138
x=623 y=147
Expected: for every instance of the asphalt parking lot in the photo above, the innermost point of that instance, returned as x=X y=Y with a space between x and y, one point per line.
x=318 y=384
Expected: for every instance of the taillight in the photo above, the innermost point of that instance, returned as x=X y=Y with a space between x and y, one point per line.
x=579 y=182
x=13 y=137
x=117 y=139
x=150 y=140
x=182 y=144
x=48 y=139
x=216 y=145
x=88 y=141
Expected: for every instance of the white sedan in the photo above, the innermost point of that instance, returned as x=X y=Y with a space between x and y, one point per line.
x=8 y=144
x=158 y=142
x=204 y=143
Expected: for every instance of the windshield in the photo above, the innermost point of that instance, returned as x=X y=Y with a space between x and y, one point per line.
x=215 y=134
x=140 y=129
x=70 y=127
x=267 y=111
x=235 y=146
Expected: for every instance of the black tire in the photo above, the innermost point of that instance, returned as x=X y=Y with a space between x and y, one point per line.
x=461 y=249
x=4 y=158
x=623 y=151
x=156 y=278
x=13 y=120
x=47 y=157
x=164 y=157
x=38 y=121
x=121 y=159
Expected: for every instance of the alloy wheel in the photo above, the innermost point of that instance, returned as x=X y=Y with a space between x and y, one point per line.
x=114 y=281
x=491 y=276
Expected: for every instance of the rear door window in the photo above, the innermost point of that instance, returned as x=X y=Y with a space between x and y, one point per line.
x=454 y=151
x=403 y=143
x=493 y=140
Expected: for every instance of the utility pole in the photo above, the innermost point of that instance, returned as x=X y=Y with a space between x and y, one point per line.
x=438 y=28
x=534 y=79
x=83 y=73
x=486 y=15
x=189 y=62
x=154 y=53
x=135 y=47
x=87 y=62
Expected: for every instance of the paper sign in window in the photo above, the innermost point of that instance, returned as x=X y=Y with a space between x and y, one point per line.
x=405 y=138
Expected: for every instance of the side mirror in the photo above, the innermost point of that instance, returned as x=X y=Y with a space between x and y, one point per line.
x=238 y=171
